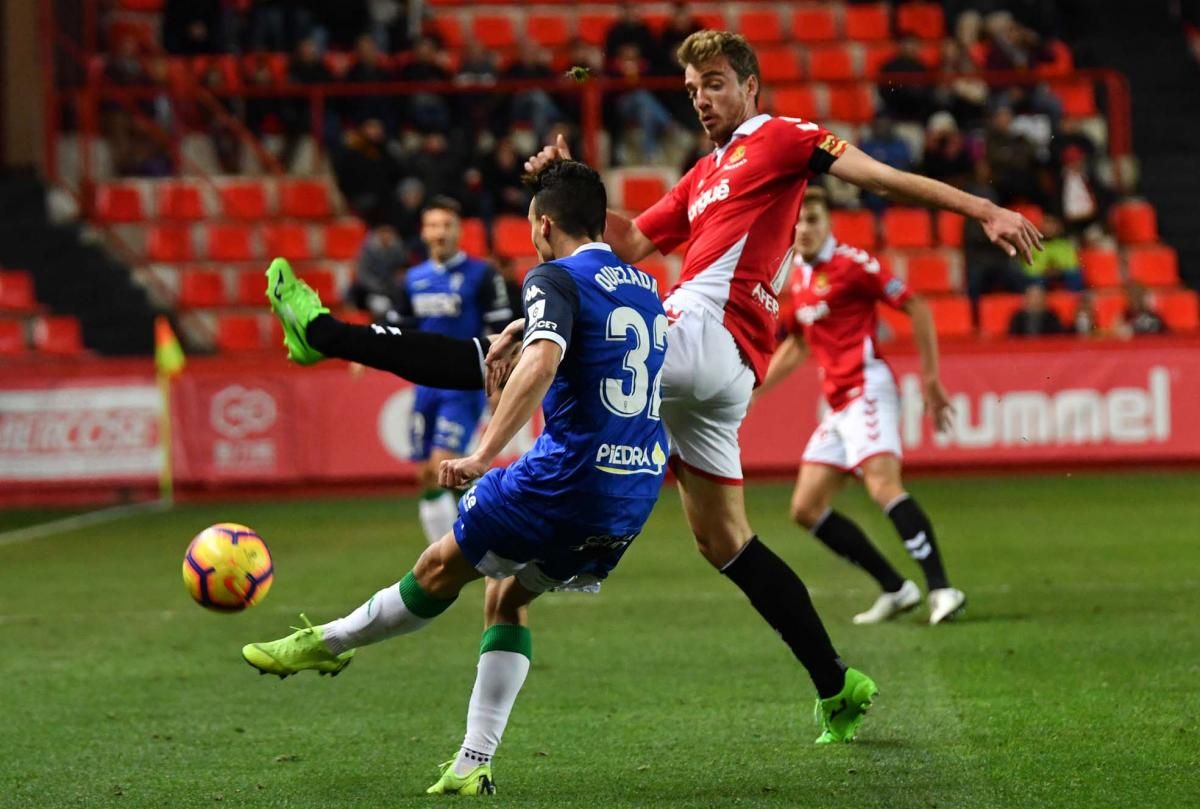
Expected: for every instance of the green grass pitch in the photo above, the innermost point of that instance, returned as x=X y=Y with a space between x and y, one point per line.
x=1072 y=681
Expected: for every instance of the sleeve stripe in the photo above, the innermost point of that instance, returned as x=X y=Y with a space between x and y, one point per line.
x=544 y=334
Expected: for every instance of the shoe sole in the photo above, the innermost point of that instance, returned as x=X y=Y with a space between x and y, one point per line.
x=285 y=675
x=901 y=611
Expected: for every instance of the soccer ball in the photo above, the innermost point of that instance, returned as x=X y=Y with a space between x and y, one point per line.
x=228 y=567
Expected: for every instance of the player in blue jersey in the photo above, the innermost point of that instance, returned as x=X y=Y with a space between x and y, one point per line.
x=459 y=296
x=563 y=514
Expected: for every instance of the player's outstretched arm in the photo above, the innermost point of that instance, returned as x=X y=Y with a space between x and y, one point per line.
x=937 y=401
x=790 y=355
x=1008 y=230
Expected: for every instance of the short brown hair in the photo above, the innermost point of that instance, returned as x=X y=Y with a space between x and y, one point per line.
x=704 y=46
x=441 y=202
x=816 y=195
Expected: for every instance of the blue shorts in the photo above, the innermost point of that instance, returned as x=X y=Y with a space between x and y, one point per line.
x=445 y=419
x=546 y=546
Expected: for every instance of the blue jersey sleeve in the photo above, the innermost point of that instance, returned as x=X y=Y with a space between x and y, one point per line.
x=551 y=303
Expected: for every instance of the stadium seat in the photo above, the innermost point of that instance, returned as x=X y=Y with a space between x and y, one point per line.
x=924 y=20
x=494 y=30
x=950 y=228
x=855 y=228
x=16 y=291
x=1064 y=304
x=344 y=238
x=875 y=54
x=200 y=288
x=907 y=227
x=447 y=28
x=853 y=104
x=1031 y=212
x=1101 y=267
x=287 y=239
x=929 y=271
x=1110 y=304
x=474 y=237
x=58 y=334
x=548 y=30
x=814 y=24
x=1134 y=222
x=760 y=26
x=178 y=200
x=12 y=338
x=239 y=333
x=1178 y=308
x=779 y=63
x=952 y=315
x=831 y=63
x=304 y=199
x=639 y=192
x=227 y=242
x=243 y=200
x=714 y=20
x=169 y=243
x=594 y=26
x=1154 y=265
x=661 y=272
x=1061 y=62
x=252 y=289
x=867 y=23
x=119 y=203
x=899 y=324
x=323 y=281
x=1078 y=98
x=795 y=102
x=995 y=312
x=511 y=235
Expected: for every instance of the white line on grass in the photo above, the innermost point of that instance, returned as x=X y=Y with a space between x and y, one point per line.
x=55 y=527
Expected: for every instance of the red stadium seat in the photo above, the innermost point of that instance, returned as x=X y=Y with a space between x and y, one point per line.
x=950 y=228
x=16 y=291
x=344 y=238
x=760 y=26
x=239 y=333
x=12 y=338
x=446 y=28
x=814 y=24
x=854 y=104
x=995 y=312
x=494 y=30
x=1134 y=222
x=640 y=192
x=929 y=272
x=323 y=281
x=952 y=315
x=907 y=227
x=119 y=203
x=593 y=27
x=169 y=243
x=199 y=288
x=898 y=323
x=511 y=235
x=1154 y=265
x=924 y=20
x=179 y=200
x=831 y=63
x=714 y=20
x=252 y=289
x=243 y=199
x=1031 y=212
x=795 y=102
x=779 y=63
x=867 y=23
x=1078 y=98
x=1110 y=304
x=304 y=199
x=875 y=54
x=1178 y=308
x=855 y=228
x=661 y=272
x=1064 y=304
x=58 y=334
x=230 y=243
x=1061 y=63
x=1101 y=267
x=548 y=30
x=287 y=239
x=474 y=237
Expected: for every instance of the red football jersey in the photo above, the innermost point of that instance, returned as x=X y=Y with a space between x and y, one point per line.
x=738 y=207
x=834 y=300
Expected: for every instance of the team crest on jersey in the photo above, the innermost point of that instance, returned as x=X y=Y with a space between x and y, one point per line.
x=820 y=284
x=736 y=158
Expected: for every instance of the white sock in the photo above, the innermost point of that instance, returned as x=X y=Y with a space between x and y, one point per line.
x=385 y=615
x=437 y=516
x=498 y=680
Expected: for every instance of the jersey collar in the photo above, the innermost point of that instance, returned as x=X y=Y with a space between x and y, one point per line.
x=591 y=246
x=823 y=255
x=748 y=127
x=454 y=261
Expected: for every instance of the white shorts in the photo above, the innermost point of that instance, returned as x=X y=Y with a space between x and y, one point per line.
x=705 y=392
x=866 y=427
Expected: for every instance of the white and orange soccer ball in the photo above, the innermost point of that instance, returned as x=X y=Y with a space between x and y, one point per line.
x=228 y=567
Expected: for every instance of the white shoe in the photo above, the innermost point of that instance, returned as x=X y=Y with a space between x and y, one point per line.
x=945 y=604
x=889 y=605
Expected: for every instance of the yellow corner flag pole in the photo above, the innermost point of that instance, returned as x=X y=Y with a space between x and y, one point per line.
x=168 y=361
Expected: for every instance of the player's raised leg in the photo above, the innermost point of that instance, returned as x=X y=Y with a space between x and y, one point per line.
x=881 y=476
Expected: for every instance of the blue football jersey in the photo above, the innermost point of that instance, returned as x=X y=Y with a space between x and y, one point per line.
x=463 y=298
x=603 y=438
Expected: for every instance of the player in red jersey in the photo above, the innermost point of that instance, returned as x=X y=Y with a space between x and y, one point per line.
x=835 y=289
x=736 y=209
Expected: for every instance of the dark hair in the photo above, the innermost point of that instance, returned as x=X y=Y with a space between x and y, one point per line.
x=572 y=194
x=816 y=195
x=441 y=202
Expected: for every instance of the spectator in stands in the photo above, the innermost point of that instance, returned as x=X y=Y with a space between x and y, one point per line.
x=965 y=97
x=680 y=25
x=369 y=68
x=628 y=30
x=644 y=120
x=477 y=66
x=987 y=268
x=306 y=67
x=135 y=152
x=382 y=258
x=1087 y=321
x=1139 y=317
x=367 y=170
x=1058 y=262
x=428 y=112
x=340 y=22
x=1012 y=158
x=507 y=267
x=406 y=216
x=1034 y=319
x=439 y=166
x=278 y=25
x=887 y=147
x=502 y=171
x=388 y=24
x=533 y=108
x=946 y=154
x=192 y=27
x=905 y=102
x=1012 y=46
x=1082 y=198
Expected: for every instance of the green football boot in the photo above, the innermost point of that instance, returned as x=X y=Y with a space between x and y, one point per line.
x=840 y=715
x=295 y=303
x=303 y=649
x=477 y=782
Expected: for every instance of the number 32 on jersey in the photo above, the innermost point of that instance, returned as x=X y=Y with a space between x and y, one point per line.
x=629 y=396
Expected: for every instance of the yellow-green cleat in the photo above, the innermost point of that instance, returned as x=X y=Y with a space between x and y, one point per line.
x=295 y=303
x=840 y=715
x=477 y=782
x=302 y=650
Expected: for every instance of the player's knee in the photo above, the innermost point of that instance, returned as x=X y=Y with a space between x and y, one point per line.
x=505 y=603
x=884 y=490
x=807 y=511
x=432 y=572
x=719 y=546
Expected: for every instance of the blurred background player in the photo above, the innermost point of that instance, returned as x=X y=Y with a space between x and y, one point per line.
x=459 y=296
x=835 y=288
